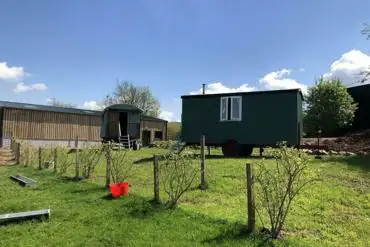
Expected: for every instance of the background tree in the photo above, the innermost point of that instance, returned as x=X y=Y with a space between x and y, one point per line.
x=55 y=102
x=141 y=97
x=173 y=130
x=366 y=31
x=329 y=107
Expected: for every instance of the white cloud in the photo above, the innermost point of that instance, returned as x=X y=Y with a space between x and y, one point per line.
x=92 y=105
x=21 y=87
x=218 y=87
x=8 y=73
x=16 y=74
x=167 y=115
x=349 y=67
x=279 y=80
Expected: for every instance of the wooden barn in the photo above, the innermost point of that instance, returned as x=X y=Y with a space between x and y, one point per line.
x=43 y=125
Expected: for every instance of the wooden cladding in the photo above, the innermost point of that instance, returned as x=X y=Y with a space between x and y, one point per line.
x=44 y=125
x=153 y=125
x=113 y=116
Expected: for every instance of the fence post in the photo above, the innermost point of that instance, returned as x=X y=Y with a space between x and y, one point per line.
x=77 y=175
x=40 y=158
x=28 y=157
x=250 y=199
x=108 y=156
x=203 y=184
x=156 y=178
x=209 y=150
x=55 y=159
x=18 y=152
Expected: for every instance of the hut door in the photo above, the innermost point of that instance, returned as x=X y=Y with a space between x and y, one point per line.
x=134 y=125
x=123 y=120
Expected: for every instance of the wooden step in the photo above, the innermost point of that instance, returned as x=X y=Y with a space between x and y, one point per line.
x=7 y=163
x=37 y=214
x=5 y=152
x=7 y=160
x=24 y=181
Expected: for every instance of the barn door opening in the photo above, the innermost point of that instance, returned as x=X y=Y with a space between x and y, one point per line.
x=146 y=137
x=123 y=121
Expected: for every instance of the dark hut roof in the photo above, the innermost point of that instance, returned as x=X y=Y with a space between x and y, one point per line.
x=242 y=93
x=123 y=107
x=36 y=107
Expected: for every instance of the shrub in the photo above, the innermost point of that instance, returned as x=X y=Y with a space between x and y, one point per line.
x=177 y=174
x=47 y=157
x=164 y=144
x=89 y=158
x=278 y=185
x=29 y=154
x=63 y=162
x=121 y=167
x=329 y=107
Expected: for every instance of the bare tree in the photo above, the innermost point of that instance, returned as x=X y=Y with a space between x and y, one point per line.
x=366 y=31
x=141 y=97
x=55 y=102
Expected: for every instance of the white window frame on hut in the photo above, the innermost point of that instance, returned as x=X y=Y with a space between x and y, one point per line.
x=235 y=110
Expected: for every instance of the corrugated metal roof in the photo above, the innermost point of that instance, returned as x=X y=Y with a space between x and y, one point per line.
x=35 y=107
x=149 y=118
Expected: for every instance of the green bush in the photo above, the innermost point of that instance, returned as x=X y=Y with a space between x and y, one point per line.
x=164 y=144
x=29 y=154
x=177 y=174
x=120 y=165
x=63 y=162
x=279 y=184
x=89 y=158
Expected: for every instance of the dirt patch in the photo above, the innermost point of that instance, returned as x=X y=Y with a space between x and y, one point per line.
x=358 y=143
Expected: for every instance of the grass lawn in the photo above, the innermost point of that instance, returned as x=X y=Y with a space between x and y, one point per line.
x=334 y=212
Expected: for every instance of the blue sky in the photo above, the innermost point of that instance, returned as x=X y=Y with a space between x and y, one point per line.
x=76 y=50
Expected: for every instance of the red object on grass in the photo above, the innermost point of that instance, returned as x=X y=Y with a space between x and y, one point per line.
x=124 y=188
x=115 y=189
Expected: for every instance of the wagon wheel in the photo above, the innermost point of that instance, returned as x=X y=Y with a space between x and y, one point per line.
x=246 y=150
x=231 y=148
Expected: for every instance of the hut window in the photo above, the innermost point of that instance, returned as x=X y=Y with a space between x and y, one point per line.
x=236 y=108
x=224 y=108
x=231 y=108
x=158 y=135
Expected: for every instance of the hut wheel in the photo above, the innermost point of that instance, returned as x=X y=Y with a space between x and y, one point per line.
x=231 y=148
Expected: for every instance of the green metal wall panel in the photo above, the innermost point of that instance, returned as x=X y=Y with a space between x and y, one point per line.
x=266 y=119
x=300 y=117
